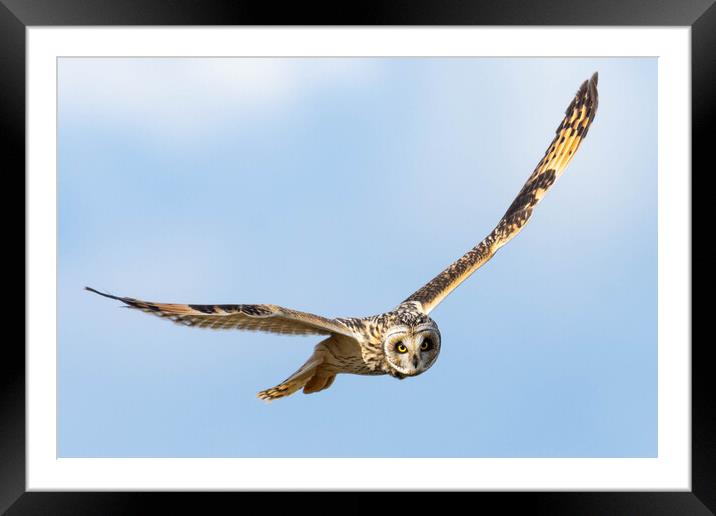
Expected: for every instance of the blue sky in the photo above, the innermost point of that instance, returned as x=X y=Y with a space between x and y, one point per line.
x=340 y=186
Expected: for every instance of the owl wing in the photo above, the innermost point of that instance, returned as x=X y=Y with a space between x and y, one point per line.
x=268 y=318
x=569 y=135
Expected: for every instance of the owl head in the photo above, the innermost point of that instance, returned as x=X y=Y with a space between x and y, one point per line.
x=411 y=349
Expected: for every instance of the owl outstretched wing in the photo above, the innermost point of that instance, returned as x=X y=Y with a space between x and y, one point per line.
x=569 y=135
x=267 y=318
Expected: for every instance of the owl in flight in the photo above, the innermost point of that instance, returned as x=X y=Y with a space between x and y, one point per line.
x=405 y=341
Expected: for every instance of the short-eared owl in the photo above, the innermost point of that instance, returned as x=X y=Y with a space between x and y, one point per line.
x=405 y=341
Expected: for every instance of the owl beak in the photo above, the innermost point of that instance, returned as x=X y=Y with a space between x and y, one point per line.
x=415 y=361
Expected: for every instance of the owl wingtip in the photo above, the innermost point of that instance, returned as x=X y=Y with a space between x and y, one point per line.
x=104 y=294
x=90 y=289
x=593 y=92
x=590 y=85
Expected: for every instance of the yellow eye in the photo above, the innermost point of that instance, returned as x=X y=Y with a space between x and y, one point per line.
x=426 y=345
x=400 y=348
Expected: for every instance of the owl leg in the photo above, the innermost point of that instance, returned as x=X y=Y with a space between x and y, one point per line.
x=294 y=382
x=316 y=374
x=319 y=382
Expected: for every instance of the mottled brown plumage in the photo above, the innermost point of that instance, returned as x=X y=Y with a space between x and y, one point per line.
x=405 y=341
x=569 y=135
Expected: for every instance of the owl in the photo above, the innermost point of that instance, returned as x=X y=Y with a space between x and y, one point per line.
x=404 y=342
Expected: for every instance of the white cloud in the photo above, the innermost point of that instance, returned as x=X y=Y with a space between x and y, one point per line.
x=184 y=97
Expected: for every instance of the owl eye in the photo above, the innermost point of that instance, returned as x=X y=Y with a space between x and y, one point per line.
x=426 y=345
x=400 y=347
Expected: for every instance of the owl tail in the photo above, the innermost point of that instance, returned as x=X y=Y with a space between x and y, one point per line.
x=311 y=377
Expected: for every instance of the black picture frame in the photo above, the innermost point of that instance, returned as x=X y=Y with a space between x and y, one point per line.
x=17 y=15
